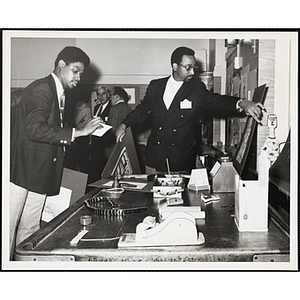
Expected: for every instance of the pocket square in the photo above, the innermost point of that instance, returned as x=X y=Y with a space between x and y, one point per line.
x=186 y=104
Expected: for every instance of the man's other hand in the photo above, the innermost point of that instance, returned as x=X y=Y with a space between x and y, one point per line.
x=253 y=109
x=120 y=132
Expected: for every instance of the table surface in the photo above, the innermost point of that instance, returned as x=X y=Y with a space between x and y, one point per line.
x=223 y=241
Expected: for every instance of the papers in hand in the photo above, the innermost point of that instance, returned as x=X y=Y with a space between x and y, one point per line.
x=101 y=131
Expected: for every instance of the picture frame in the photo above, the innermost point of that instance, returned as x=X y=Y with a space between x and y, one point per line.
x=131 y=94
x=240 y=156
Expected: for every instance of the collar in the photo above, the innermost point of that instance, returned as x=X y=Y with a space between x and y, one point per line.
x=104 y=105
x=58 y=85
x=120 y=101
x=173 y=82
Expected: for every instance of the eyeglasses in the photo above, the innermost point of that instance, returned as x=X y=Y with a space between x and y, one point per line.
x=189 y=68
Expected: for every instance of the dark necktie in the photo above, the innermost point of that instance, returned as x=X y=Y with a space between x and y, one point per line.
x=61 y=112
x=61 y=108
x=98 y=111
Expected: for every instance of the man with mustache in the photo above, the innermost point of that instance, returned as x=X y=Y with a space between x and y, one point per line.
x=175 y=102
x=39 y=140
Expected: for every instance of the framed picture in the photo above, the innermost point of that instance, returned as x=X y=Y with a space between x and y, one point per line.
x=241 y=154
x=131 y=94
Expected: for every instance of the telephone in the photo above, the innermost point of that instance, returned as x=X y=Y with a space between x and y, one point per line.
x=179 y=228
x=271 y=145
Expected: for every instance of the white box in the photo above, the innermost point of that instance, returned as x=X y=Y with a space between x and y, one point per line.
x=251 y=200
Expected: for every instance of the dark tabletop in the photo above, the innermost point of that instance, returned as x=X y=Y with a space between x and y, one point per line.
x=223 y=241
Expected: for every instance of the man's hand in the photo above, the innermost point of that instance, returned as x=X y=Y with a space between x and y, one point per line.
x=89 y=127
x=120 y=132
x=253 y=109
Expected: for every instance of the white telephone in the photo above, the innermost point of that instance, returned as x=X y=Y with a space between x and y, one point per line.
x=271 y=145
x=179 y=228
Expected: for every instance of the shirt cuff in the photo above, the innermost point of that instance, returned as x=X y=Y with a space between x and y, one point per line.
x=238 y=108
x=73 y=135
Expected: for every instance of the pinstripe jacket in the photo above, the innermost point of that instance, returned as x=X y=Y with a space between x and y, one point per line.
x=37 y=153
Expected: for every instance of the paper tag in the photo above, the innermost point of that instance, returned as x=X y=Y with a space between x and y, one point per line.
x=186 y=104
x=199 y=177
x=101 y=131
x=213 y=172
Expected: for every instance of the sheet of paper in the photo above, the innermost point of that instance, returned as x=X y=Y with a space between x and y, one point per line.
x=56 y=204
x=132 y=185
x=128 y=184
x=101 y=131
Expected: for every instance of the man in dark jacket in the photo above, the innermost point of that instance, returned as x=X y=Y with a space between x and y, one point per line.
x=39 y=141
x=118 y=112
x=175 y=102
x=98 y=144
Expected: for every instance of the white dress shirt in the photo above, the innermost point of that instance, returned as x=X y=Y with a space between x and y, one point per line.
x=59 y=87
x=60 y=92
x=172 y=88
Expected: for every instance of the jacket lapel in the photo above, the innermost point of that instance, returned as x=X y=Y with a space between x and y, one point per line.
x=106 y=110
x=54 y=97
x=160 y=95
x=180 y=96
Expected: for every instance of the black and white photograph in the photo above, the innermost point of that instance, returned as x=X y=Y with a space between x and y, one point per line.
x=178 y=96
x=187 y=97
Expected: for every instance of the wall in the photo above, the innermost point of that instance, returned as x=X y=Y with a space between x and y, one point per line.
x=219 y=87
x=285 y=99
x=113 y=61
x=33 y=58
x=266 y=75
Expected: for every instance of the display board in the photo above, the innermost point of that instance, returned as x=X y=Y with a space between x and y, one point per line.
x=241 y=154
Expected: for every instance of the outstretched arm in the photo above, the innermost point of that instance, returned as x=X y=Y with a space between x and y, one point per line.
x=253 y=109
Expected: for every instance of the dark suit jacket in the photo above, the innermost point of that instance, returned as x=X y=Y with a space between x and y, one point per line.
x=172 y=133
x=104 y=113
x=116 y=115
x=37 y=154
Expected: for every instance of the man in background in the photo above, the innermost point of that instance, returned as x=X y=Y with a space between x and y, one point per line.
x=39 y=142
x=118 y=112
x=97 y=150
